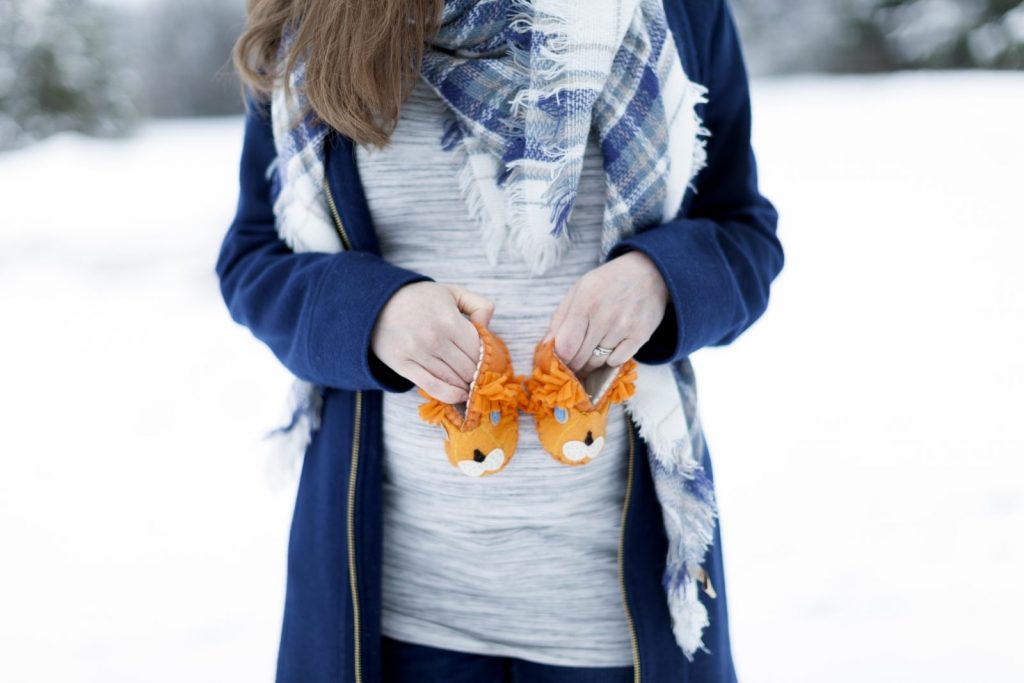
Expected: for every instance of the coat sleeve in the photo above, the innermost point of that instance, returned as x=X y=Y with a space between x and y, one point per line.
x=719 y=258
x=316 y=311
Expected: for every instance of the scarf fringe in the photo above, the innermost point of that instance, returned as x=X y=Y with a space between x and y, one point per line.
x=672 y=431
x=695 y=94
x=540 y=250
x=289 y=441
x=493 y=229
x=544 y=63
x=689 y=618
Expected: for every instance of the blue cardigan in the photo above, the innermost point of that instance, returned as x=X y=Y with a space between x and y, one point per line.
x=316 y=312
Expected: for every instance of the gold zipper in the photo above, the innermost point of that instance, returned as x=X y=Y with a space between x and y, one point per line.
x=353 y=470
x=357 y=655
x=338 y=225
x=634 y=641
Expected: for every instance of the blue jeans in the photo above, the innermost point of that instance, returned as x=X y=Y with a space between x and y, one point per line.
x=408 y=663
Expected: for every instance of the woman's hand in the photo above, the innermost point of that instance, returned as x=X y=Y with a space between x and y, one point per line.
x=617 y=305
x=422 y=335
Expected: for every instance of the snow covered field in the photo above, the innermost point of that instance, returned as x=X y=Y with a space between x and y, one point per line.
x=866 y=433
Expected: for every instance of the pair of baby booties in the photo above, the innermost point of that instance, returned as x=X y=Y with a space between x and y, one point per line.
x=482 y=432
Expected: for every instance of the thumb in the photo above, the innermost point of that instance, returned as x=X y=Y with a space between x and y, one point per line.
x=478 y=308
x=558 y=316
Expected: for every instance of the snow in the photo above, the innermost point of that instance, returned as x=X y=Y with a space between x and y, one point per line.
x=865 y=433
x=141 y=540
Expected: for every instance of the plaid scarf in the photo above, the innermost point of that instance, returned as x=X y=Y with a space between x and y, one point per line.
x=525 y=81
x=520 y=120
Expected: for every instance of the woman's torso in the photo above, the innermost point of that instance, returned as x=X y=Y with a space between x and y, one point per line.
x=524 y=562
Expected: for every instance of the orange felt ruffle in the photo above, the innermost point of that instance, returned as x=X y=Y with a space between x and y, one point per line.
x=493 y=391
x=433 y=410
x=624 y=384
x=551 y=386
x=497 y=391
x=556 y=386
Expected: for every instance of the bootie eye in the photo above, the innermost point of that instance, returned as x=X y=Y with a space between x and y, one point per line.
x=561 y=414
x=495 y=417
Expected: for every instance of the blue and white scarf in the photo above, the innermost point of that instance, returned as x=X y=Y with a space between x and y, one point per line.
x=525 y=81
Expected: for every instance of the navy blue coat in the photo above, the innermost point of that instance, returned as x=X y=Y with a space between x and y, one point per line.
x=316 y=312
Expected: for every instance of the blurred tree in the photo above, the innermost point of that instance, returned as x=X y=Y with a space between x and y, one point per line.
x=881 y=35
x=183 y=53
x=64 y=64
x=781 y=36
x=58 y=72
x=942 y=34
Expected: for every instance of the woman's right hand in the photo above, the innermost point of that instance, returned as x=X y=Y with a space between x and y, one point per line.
x=422 y=334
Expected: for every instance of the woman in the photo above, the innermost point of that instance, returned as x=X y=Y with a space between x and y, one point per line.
x=417 y=175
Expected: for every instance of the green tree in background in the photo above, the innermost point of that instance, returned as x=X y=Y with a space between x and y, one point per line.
x=59 y=71
x=80 y=66
x=881 y=35
x=182 y=51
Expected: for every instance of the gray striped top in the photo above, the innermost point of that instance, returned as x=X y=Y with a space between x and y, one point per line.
x=522 y=563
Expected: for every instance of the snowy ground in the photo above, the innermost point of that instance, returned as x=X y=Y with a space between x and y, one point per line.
x=866 y=433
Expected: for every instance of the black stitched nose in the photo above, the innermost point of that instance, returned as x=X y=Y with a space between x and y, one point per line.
x=590 y=438
x=478 y=456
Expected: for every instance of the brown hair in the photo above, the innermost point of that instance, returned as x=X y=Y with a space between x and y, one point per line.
x=364 y=57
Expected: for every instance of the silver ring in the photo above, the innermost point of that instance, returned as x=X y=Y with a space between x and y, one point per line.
x=601 y=351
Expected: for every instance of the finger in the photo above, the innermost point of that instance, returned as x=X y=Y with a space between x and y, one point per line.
x=466 y=337
x=558 y=317
x=437 y=388
x=595 y=331
x=477 y=307
x=624 y=350
x=456 y=359
x=616 y=329
x=436 y=366
x=570 y=335
x=609 y=341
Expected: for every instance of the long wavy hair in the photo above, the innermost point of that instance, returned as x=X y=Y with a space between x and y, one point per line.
x=363 y=59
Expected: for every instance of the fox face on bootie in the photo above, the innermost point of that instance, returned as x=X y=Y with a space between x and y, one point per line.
x=482 y=432
x=572 y=416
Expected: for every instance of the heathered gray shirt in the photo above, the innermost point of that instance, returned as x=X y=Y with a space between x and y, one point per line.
x=522 y=563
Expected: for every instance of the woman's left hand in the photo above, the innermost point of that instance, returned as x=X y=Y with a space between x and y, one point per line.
x=617 y=305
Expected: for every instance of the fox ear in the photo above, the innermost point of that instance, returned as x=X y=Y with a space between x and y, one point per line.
x=624 y=384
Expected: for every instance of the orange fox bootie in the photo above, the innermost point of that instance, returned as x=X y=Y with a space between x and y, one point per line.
x=482 y=432
x=571 y=415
